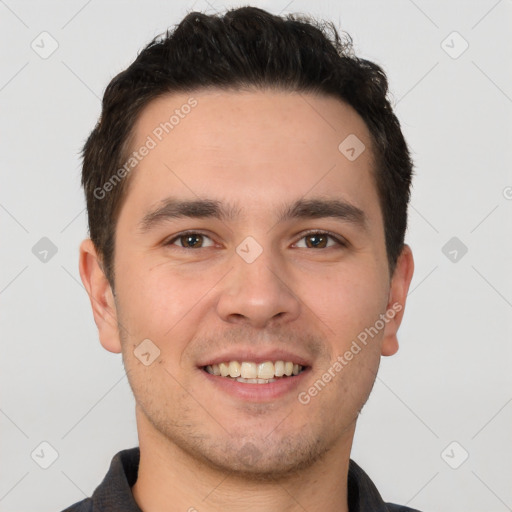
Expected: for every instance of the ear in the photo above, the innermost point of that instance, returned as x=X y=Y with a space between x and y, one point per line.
x=399 y=288
x=101 y=296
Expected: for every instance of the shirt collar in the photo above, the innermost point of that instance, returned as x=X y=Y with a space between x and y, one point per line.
x=114 y=493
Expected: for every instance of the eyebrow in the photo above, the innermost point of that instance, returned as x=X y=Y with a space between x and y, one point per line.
x=173 y=208
x=324 y=208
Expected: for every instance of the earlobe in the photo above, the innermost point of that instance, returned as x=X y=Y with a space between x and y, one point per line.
x=399 y=288
x=100 y=295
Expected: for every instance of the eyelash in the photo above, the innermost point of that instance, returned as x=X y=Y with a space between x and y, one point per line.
x=340 y=241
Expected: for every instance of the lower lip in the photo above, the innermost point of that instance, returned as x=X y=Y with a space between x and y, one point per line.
x=257 y=392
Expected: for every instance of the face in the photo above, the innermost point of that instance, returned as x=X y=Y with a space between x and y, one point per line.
x=247 y=236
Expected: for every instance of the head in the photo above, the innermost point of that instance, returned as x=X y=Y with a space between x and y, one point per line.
x=293 y=54
x=292 y=247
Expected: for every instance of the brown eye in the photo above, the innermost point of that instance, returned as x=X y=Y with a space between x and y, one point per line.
x=191 y=241
x=319 y=240
x=316 y=240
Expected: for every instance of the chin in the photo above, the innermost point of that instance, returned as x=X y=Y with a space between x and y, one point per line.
x=264 y=461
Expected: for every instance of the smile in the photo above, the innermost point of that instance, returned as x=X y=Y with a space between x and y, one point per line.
x=255 y=373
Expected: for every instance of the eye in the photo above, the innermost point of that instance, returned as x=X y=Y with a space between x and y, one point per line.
x=191 y=240
x=319 y=240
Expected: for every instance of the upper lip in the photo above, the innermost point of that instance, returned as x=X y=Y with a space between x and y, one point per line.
x=255 y=356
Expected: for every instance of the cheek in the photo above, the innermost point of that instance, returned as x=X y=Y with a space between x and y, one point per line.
x=348 y=302
x=160 y=303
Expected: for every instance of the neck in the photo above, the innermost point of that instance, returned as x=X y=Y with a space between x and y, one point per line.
x=169 y=479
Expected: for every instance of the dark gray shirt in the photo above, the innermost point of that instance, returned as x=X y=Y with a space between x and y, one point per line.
x=114 y=493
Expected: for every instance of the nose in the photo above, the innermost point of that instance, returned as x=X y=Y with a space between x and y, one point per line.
x=258 y=294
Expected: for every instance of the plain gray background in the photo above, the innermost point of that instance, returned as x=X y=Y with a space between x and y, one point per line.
x=450 y=381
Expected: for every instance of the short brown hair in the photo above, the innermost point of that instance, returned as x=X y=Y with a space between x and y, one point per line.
x=245 y=47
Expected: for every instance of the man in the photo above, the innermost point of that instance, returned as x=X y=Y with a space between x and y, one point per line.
x=247 y=188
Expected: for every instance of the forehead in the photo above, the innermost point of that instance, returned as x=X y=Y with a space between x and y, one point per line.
x=213 y=115
x=258 y=146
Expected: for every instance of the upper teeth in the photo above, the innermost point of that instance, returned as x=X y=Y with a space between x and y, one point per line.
x=250 y=370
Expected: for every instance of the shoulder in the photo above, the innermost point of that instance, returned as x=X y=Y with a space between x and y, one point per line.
x=363 y=496
x=399 y=508
x=80 y=506
x=114 y=492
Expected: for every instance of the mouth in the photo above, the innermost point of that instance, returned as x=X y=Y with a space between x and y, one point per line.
x=250 y=372
x=258 y=376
